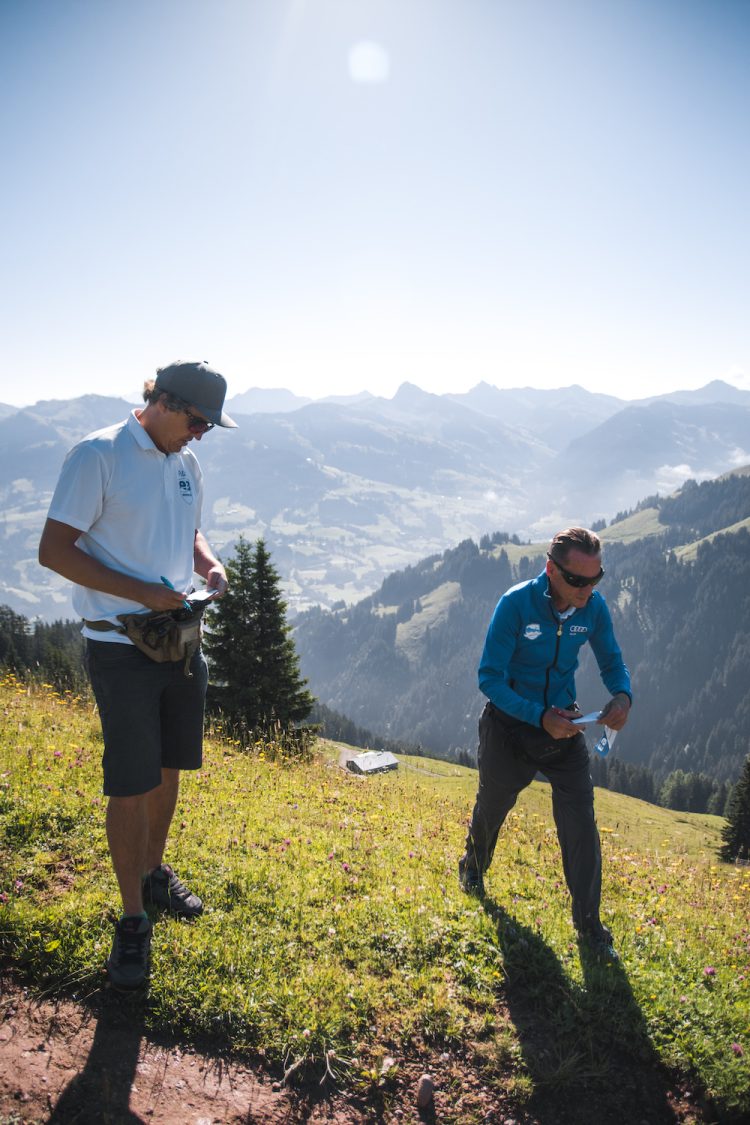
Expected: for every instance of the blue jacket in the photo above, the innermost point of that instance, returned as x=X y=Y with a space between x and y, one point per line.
x=531 y=653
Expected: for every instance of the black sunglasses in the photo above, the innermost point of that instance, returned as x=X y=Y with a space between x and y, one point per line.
x=197 y=425
x=577 y=580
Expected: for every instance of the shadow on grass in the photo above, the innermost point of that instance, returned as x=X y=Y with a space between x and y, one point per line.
x=585 y=1046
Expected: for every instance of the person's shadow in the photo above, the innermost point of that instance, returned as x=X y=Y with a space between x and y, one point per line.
x=585 y=1046
x=100 y=1093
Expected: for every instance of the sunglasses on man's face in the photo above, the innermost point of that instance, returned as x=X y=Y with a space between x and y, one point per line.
x=197 y=425
x=579 y=581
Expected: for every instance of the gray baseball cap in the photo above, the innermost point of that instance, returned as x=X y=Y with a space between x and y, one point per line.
x=198 y=385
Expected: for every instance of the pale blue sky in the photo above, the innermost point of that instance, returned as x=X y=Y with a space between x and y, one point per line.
x=530 y=192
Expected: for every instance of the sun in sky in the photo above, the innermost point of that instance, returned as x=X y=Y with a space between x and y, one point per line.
x=368 y=62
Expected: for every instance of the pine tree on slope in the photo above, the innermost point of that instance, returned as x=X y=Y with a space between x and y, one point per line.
x=736 y=832
x=255 y=668
x=282 y=695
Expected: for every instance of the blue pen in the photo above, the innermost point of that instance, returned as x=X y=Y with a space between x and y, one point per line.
x=166 y=582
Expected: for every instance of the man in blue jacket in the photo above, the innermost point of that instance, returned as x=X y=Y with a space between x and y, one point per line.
x=527 y=672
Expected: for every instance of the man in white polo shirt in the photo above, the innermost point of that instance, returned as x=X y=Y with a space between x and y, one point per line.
x=124 y=527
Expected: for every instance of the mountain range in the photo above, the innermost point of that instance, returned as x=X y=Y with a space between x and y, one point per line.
x=347 y=490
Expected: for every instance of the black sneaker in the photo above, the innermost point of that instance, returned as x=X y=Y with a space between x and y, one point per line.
x=162 y=888
x=470 y=878
x=600 y=941
x=129 y=960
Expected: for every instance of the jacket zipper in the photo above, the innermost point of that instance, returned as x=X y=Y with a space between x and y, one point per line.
x=554 y=661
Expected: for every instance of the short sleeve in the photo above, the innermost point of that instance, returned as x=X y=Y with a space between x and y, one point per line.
x=79 y=495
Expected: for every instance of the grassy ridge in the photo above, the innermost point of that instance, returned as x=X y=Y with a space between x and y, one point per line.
x=336 y=934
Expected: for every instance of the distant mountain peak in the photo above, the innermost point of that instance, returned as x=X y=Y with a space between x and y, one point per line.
x=409 y=392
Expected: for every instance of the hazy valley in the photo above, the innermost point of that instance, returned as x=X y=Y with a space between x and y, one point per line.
x=346 y=491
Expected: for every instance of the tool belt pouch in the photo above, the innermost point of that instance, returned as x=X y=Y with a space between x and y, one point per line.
x=164 y=636
x=530 y=742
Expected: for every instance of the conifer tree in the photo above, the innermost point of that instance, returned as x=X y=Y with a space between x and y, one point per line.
x=736 y=832
x=255 y=667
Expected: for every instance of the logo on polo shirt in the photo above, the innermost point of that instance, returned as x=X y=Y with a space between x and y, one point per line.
x=184 y=486
x=532 y=631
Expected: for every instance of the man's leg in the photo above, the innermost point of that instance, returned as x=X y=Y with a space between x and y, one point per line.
x=161 y=806
x=573 y=809
x=161 y=887
x=502 y=776
x=127 y=689
x=181 y=718
x=127 y=835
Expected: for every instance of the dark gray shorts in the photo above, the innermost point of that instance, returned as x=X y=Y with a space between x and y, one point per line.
x=151 y=715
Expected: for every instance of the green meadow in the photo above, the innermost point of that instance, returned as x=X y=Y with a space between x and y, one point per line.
x=336 y=938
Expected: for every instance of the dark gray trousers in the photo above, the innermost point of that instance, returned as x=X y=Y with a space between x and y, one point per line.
x=503 y=775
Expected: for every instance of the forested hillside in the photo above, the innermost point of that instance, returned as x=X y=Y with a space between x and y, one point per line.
x=404 y=660
x=53 y=652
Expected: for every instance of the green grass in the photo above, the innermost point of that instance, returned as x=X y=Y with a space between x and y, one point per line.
x=335 y=923
x=639 y=525
x=689 y=552
x=435 y=608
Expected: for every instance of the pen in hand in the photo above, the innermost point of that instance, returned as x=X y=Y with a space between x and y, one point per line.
x=166 y=582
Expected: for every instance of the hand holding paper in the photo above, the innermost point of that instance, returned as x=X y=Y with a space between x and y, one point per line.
x=198 y=597
x=592 y=717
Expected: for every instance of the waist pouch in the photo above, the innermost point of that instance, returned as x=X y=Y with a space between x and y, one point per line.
x=530 y=742
x=162 y=636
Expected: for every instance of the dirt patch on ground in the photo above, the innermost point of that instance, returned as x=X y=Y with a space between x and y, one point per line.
x=68 y=1063
x=92 y=1064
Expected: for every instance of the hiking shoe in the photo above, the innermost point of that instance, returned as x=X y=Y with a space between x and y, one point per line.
x=600 y=941
x=129 y=960
x=470 y=879
x=162 y=888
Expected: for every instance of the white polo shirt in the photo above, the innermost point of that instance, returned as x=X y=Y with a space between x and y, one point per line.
x=137 y=510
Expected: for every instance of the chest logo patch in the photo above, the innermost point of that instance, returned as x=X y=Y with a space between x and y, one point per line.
x=532 y=631
x=184 y=487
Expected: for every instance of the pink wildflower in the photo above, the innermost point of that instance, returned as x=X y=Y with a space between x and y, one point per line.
x=709 y=971
x=737 y=1048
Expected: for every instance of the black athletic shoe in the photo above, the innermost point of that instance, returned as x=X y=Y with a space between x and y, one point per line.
x=600 y=941
x=162 y=888
x=129 y=960
x=470 y=879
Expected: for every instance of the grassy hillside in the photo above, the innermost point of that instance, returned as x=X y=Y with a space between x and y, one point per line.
x=336 y=936
x=689 y=551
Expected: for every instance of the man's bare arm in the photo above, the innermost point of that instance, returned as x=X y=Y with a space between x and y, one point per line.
x=58 y=552
x=208 y=566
